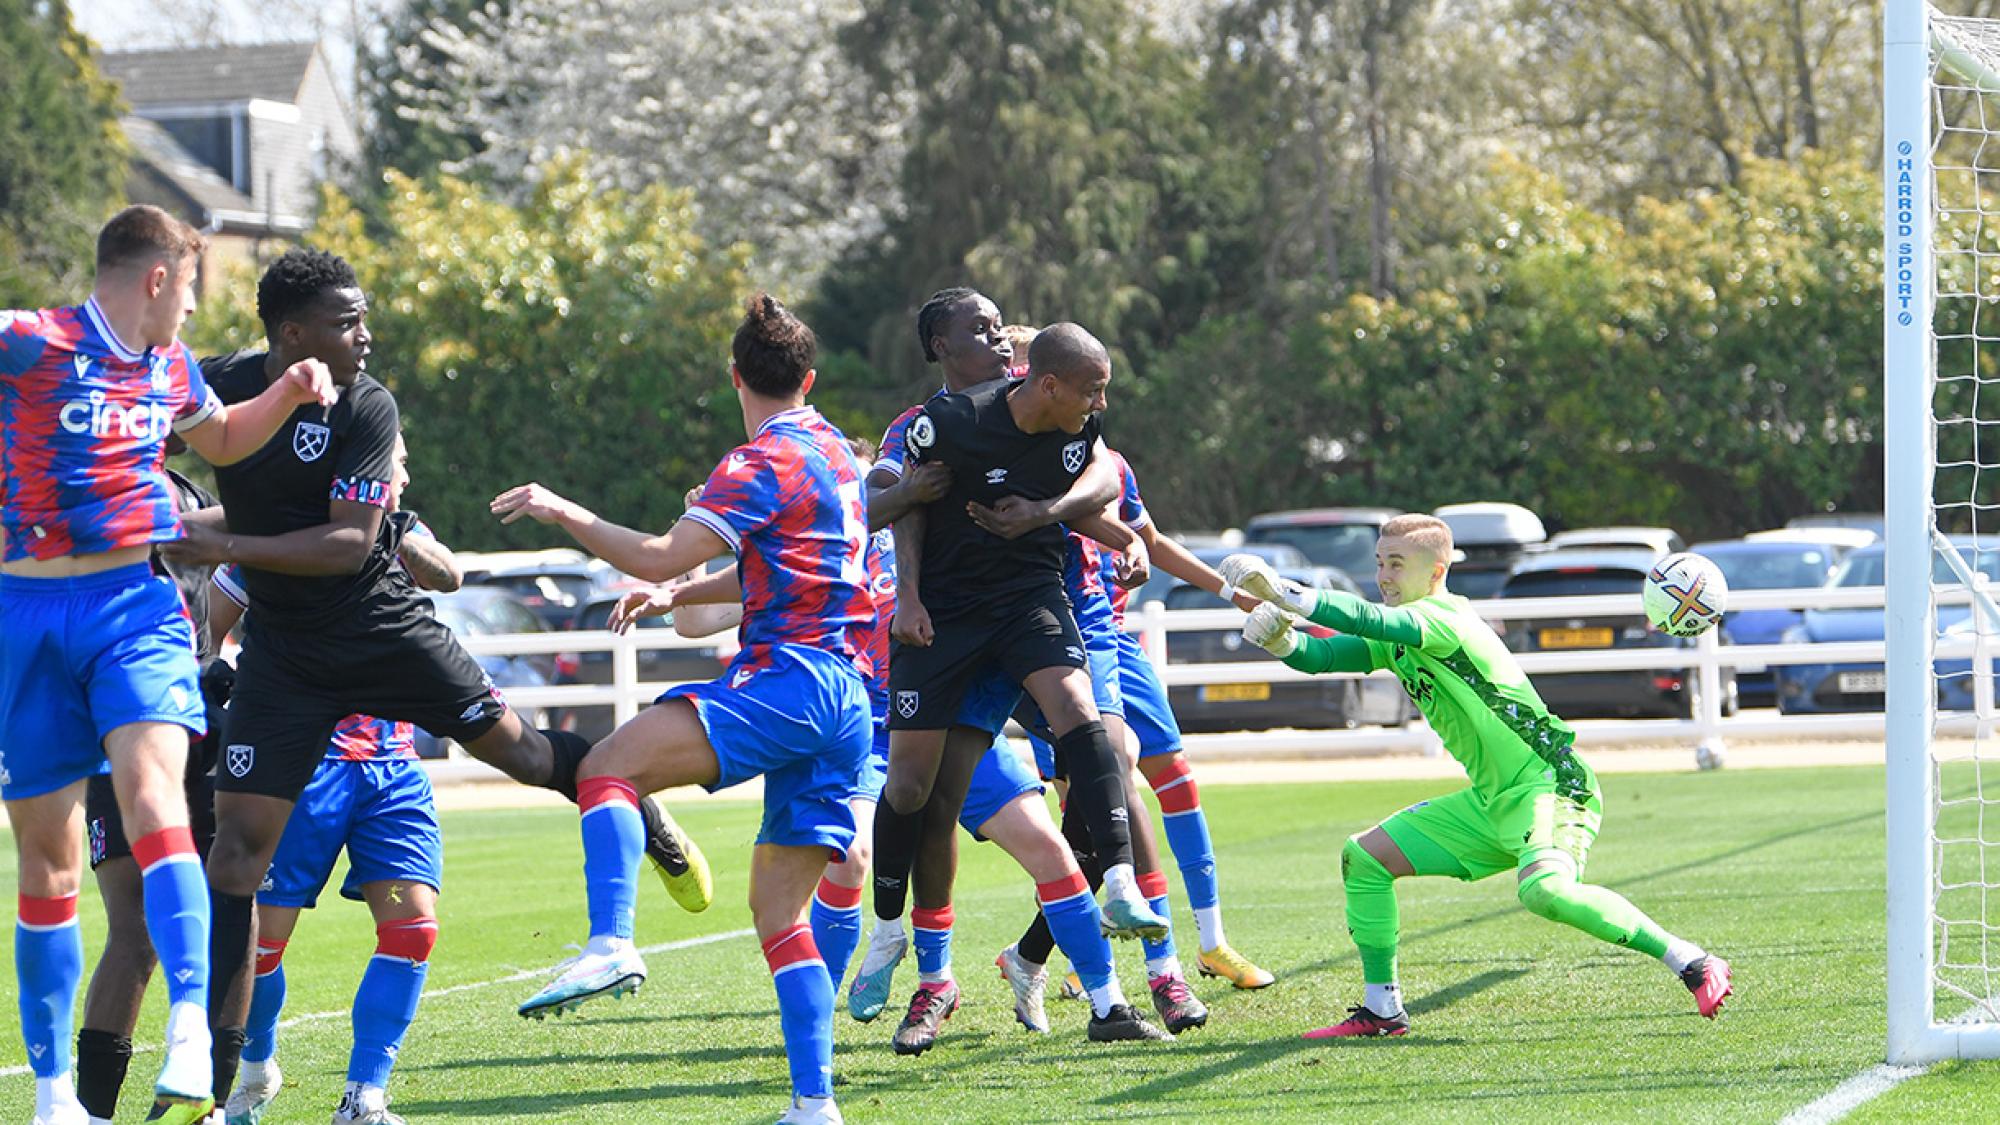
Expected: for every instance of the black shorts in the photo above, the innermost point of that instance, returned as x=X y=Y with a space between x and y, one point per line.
x=292 y=689
x=106 y=825
x=1032 y=631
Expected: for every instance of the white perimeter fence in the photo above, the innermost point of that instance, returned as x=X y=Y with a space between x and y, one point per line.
x=626 y=693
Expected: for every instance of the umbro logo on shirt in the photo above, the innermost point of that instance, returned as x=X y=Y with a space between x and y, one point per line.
x=996 y=476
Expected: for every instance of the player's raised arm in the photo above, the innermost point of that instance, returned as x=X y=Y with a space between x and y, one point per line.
x=1334 y=609
x=224 y=435
x=653 y=558
x=1275 y=630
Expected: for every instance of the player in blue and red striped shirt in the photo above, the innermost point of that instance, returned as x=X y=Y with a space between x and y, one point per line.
x=97 y=656
x=792 y=706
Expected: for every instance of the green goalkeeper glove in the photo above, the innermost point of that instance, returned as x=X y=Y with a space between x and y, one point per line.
x=1255 y=577
x=1273 y=630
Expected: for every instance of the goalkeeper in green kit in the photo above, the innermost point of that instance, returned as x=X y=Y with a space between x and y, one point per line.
x=1533 y=804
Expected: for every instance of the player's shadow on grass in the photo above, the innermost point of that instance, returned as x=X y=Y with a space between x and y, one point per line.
x=577 y=1105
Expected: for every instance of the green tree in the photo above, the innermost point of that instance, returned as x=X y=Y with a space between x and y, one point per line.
x=395 y=76
x=1061 y=159
x=62 y=155
x=579 y=338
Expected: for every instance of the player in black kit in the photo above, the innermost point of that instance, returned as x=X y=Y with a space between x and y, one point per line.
x=335 y=631
x=969 y=601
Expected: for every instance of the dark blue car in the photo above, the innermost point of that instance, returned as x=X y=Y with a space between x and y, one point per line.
x=1766 y=565
x=1813 y=688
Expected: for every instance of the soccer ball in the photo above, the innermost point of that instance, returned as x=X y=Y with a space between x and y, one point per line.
x=1685 y=595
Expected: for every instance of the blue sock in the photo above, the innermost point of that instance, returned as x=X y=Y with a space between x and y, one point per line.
x=386 y=1001
x=836 y=926
x=267 y=1002
x=176 y=911
x=933 y=942
x=805 y=1009
x=614 y=839
x=48 y=963
x=1160 y=957
x=1074 y=923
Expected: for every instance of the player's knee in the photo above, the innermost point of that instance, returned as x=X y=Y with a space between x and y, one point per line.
x=410 y=939
x=1542 y=888
x=1359 y=866
x=906 y=793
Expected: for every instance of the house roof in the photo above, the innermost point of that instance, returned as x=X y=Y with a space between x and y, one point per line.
x=200 y=183
x=210 y=75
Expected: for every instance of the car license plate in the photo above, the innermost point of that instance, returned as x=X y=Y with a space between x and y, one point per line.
x=1235 y=693
x=1863 y=683
x=1576 y=638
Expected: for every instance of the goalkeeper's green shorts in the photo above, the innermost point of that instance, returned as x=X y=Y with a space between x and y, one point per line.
x=1517 y=827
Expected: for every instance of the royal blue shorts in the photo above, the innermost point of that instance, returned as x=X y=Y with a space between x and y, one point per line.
x=1001 y=776
x=81 y=657
x=381 y=811
x=798 y=717
x=1146 y=709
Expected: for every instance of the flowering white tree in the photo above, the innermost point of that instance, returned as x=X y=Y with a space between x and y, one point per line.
x=752 y=106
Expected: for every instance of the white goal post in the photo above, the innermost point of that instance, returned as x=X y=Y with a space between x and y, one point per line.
x=1941 y=396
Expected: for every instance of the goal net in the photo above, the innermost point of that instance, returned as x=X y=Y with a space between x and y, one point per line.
x=1941 y=382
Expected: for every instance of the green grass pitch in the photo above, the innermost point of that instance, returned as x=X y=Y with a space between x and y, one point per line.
x=1516 y=1019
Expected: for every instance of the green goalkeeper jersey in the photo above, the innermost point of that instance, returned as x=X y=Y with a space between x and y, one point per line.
x=1464 y=681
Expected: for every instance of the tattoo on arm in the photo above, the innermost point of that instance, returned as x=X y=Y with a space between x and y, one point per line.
x=431 y=564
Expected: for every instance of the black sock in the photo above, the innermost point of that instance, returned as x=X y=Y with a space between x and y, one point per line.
x=897 y=836
x=101 y=1059
x=568 y=749
x=1097 y=791
x=232 y=919
x=228 y=1053
x=1037 y=944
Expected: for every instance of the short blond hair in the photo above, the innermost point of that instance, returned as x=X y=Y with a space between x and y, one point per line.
x=1428 y=532
x=1020 y=335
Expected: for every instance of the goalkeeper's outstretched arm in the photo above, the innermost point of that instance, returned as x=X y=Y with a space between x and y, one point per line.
x=1334 y=609
x=1274 y=629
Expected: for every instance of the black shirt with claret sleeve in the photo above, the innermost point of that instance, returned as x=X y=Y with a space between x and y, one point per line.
x=318 y=455
x=966 y=567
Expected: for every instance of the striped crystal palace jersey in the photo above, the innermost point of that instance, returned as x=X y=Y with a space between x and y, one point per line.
x=881 y=583
x=84 y=421
x=789 y=503
x=1132 y=511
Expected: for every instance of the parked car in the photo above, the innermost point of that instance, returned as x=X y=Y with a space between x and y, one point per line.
x=1865 y=521
x=655 y=665
x=1490 y=538
x=1261 y=706
x=482 y=611
x=1661 y=541
x=1813 y=688
x=1843 y=539
x=552 y=590
x=1767 y=564
x=1651 y=692
x=1279 y=555
x=1342 y=538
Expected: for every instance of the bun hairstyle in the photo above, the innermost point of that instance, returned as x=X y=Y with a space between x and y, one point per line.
x=773 y=349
